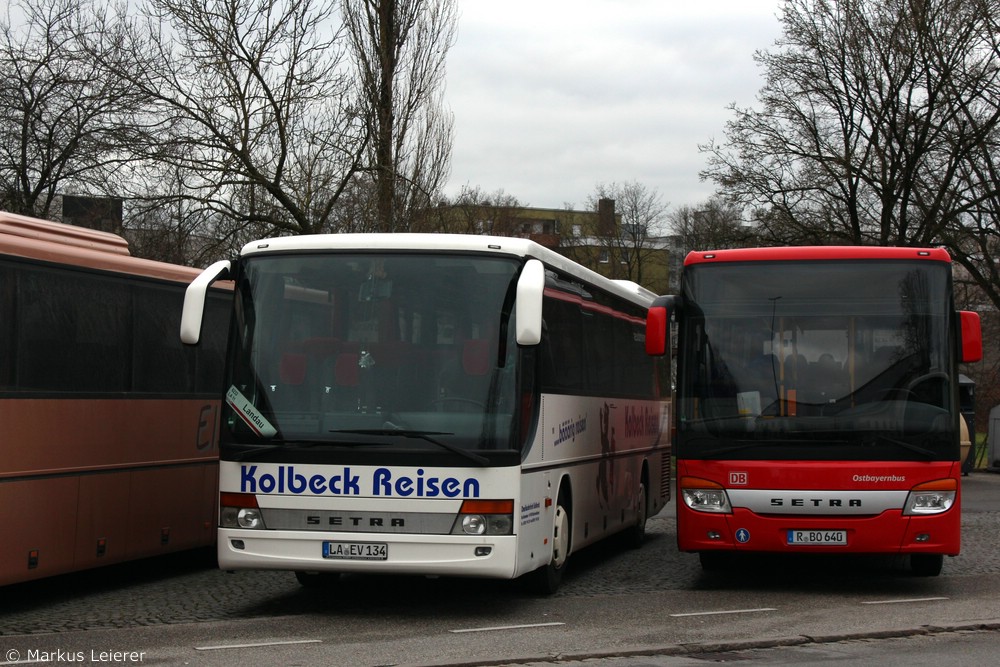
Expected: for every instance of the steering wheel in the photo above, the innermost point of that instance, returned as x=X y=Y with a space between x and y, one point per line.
x=926 y=377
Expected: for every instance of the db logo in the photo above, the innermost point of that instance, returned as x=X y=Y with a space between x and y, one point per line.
x=738 y=479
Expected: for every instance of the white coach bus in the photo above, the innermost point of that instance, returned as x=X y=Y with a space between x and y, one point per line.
x=431 y=404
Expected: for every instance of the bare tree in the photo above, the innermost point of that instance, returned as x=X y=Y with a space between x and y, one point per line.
x=714 y=225
x=256 y=111
x=165 y=223
x=634 y=243
x=974 y=239
x=399 y=49
x=870 y=109
x=65 y=124
x=474 y=211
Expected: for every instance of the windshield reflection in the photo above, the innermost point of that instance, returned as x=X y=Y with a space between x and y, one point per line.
x=781 y=356
x=335 y=348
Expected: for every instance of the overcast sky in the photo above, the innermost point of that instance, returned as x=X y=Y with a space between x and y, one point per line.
x=552 y=97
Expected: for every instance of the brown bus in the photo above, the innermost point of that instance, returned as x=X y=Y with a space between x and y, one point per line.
x=108 y=426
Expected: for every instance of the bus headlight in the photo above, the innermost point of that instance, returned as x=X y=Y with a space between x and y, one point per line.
x=931 y=498
x=248 y=518
x=485 y=517
x=474 y=524
x=240 y=510
x=704 y=496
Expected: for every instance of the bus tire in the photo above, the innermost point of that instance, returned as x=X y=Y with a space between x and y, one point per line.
x=316 y=579
x=926 y=565
x=546 y=579
x=636 y=535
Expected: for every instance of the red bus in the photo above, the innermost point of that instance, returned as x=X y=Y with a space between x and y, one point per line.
x=817 y=402
x=109 y=449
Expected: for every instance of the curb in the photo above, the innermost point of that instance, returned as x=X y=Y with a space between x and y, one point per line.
x=702 y=648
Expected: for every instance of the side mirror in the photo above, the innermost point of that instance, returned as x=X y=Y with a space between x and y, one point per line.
x=528 y=303
x=194 y=301
x=972 y=336
x=658 y=325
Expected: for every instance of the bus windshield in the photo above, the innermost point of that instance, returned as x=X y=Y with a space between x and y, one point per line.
x=777 y=364
x=396 y=352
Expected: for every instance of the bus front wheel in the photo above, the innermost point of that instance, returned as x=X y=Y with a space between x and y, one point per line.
x=547 y=578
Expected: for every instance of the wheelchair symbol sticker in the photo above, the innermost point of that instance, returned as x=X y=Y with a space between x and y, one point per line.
x=742 y=535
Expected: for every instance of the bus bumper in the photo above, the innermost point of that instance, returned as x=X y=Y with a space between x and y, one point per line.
x=445 y=555
x=887 y=533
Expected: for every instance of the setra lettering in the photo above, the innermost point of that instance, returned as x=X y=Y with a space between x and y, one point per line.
x=815 y=502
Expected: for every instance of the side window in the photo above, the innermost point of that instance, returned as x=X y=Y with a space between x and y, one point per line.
x=595 y=345
x=636 y=371
x=562 y=367
x=8 y=327
x=211 y=353
x=161 y=363
x=601 y=352
x=73 y=332
x=66 y=330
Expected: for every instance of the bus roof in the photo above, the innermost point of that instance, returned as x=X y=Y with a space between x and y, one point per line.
x=814 y=253
x=23 y=226
x=472 y=243
x=56 y=242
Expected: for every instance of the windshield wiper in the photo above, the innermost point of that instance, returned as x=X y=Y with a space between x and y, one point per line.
x=428 y=436
x=252 y=451
x=907 y=445
x=751 y=443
